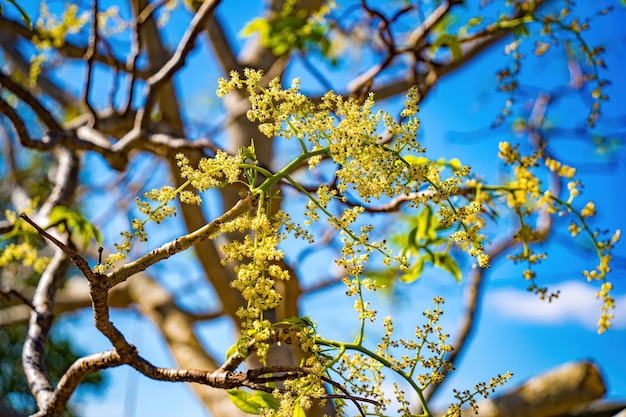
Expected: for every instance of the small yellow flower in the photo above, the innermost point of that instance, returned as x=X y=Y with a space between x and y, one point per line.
x=574 y=229
x=589 y=210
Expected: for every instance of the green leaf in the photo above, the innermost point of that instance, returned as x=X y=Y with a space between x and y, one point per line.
x=231 y=350
x=64 y=217
x=252 y=403
x=451 y=41
x=474 y=21
x=295 y=322
x=424 y=220
x=445 y=23
x=412 y=240
x=447 y=263
x=260 y=25
x=415 y=272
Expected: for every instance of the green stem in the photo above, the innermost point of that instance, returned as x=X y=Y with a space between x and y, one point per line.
x=291 y=126
x=164 y=203
x=359 y=348
x=359 y=339
x=287 y=169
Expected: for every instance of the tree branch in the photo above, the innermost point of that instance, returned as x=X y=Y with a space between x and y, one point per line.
x=68 y=49
x=42 y=113
x=180 y=244
x=176 y=62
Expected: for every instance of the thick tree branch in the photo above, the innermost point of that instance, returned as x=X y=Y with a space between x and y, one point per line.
x=38 y=328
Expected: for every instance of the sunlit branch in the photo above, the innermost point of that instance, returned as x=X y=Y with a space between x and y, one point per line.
x=180 y=244
x=70 y=380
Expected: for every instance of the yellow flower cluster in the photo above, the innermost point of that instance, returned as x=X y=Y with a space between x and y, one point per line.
x=482 y=389
x=23 y=252
x=26 y=254
x=213 y=172
x=257 y=257
x=526 y=198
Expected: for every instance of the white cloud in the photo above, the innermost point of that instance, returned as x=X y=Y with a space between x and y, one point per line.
x=576 y=304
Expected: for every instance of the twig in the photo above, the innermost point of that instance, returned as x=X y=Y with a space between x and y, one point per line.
x=90 y=58
x=20 y=128
x=176 y=62
x=42 y=113
x=14 y=293
x=348 y=395
x=73 y=256
x=68 y=49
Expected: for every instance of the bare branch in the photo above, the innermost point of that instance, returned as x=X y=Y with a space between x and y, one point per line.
x=14 y=293
x=43 y=82
x=44 y=114
x=176 y=62
x=149 y=10
x=417 y=38
x=20 y=128
x=90 y=57
x=39 y=326
x=67 y=49
x=222 y=48
x=80 y=369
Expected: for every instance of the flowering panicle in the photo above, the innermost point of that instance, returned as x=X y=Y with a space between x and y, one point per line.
x=482 y=389
x=526 y=198
x=26 y=253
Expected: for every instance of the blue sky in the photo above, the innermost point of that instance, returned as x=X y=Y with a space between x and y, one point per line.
x=517 y=331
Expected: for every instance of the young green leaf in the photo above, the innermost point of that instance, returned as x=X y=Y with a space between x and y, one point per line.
x=415 y=272
x=252 y=403
x=447 y=263
x=64 y=217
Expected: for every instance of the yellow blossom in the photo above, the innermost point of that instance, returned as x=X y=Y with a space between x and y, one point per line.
x=589 y=210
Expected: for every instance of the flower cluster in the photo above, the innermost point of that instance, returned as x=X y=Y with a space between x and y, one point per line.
x=469 y=397
x=257 y=266
x=213 y=172
x=25 y=252
x=526 y=198
x=429 y=355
